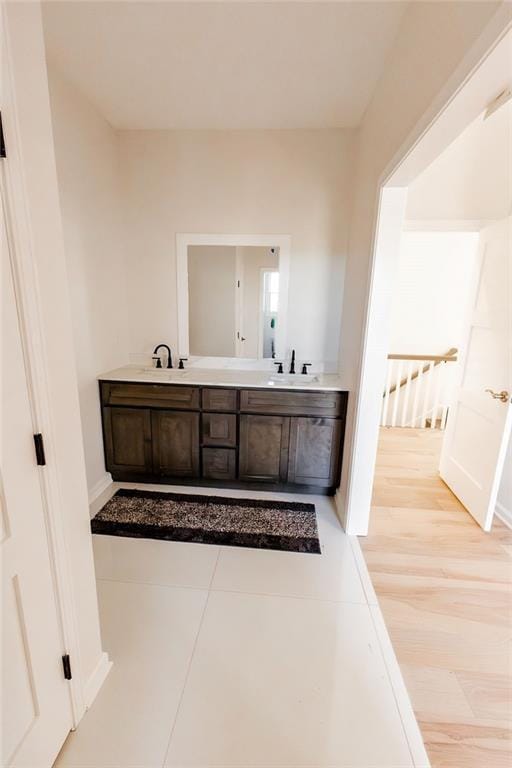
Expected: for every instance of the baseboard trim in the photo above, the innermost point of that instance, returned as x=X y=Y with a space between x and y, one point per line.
x=403 y=702
x=96 y=680
x=504 y=514
x=98 y=488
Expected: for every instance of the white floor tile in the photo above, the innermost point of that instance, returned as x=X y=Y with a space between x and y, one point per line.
x=149 y=633
x=294 y=574
x=282 y=668
x=282 y=682
x=154 y=562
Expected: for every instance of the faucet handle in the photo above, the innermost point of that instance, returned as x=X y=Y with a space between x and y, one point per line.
x=280 y=369
x=158 y=361
x=182 y=360
x=305 y=367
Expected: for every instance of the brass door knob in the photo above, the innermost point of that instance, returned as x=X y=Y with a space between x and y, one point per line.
x=503 y=395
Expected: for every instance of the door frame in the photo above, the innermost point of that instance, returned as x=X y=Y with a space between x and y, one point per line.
x=21 y=230
x=24 y=283
x=263 y=271
x=472 y=87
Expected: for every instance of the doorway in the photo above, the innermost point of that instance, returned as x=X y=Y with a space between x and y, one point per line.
x=476 y=101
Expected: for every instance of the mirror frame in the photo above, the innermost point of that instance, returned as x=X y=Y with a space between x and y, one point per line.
x=183 y=240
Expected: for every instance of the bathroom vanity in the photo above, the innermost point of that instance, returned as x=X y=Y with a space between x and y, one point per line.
x=201 y=428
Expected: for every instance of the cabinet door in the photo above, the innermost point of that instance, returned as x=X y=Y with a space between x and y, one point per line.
x=219 y=429
x=219 y=463
x=315 y=449
x=175 y=443
x=264 y=448
x=128 y=440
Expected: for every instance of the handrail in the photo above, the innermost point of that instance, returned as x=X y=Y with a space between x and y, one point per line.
x=449 y=357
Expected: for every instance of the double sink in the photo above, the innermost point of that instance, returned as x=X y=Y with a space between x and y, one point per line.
x=228 y=377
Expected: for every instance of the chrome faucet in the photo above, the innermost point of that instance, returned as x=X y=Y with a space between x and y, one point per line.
x=169 y=356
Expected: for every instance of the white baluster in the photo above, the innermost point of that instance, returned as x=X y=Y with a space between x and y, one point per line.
x=397 y=393
x=426 y=398
x=385 y=404
x=417 y=391
x=439 y=372
x=403 y=420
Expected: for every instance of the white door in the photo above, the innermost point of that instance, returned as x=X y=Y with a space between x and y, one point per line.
x=35 y=706
x=480 y=419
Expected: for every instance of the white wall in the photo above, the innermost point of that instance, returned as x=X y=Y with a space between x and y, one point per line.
x=211 y=302
x=86 y=150
x=294 y=183
x=429 y=304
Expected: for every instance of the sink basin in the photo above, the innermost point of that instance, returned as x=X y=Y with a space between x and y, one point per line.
x=167 y=374
x=296 y=380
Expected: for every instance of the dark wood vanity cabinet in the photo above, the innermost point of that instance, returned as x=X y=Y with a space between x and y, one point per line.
x=272 y=439
x=264 y=448
x=175 y=442
x=314 y=456
x=127 y=440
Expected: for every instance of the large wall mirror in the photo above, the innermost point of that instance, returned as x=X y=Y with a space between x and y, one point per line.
x=232 y=295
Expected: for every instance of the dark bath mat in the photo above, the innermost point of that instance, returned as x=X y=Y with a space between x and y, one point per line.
x=284 y=525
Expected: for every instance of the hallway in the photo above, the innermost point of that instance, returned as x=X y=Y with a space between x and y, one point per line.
x=444 y=589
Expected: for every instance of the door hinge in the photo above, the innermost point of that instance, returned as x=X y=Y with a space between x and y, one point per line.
x=2 y=140
x=39 y=445
x=66 y=665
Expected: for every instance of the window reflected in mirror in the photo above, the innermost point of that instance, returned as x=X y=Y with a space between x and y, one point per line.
x=233 y=300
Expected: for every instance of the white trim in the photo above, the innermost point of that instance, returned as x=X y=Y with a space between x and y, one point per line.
x=96 y=680
x=183 y=240
x=402 y=699
x=504 y=514
x=98 y=488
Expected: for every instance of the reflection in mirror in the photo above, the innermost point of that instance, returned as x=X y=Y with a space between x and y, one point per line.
x=233 y=300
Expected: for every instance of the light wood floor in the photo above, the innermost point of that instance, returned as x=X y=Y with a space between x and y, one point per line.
x=444 y=588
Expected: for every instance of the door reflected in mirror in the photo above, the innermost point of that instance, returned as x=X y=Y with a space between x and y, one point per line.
x=233 y=300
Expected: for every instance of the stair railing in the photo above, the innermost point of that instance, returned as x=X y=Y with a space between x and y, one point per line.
x=416 y=390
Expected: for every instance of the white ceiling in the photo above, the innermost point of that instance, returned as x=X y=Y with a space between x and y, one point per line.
x=472 y=178
x=223 y=65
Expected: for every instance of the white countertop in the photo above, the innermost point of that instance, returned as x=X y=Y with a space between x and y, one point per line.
x=225 y=378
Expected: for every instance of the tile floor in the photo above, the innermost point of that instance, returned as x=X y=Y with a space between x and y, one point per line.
x=239 y=657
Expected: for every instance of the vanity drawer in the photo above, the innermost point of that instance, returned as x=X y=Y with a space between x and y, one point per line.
x=154 y=395
x=219 y=399
x=291 y=402
x=219 y=429
x=219 y=463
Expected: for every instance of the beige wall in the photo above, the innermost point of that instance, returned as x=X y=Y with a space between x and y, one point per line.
x=211 y=296
x=90 y=197
x=294 y=183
